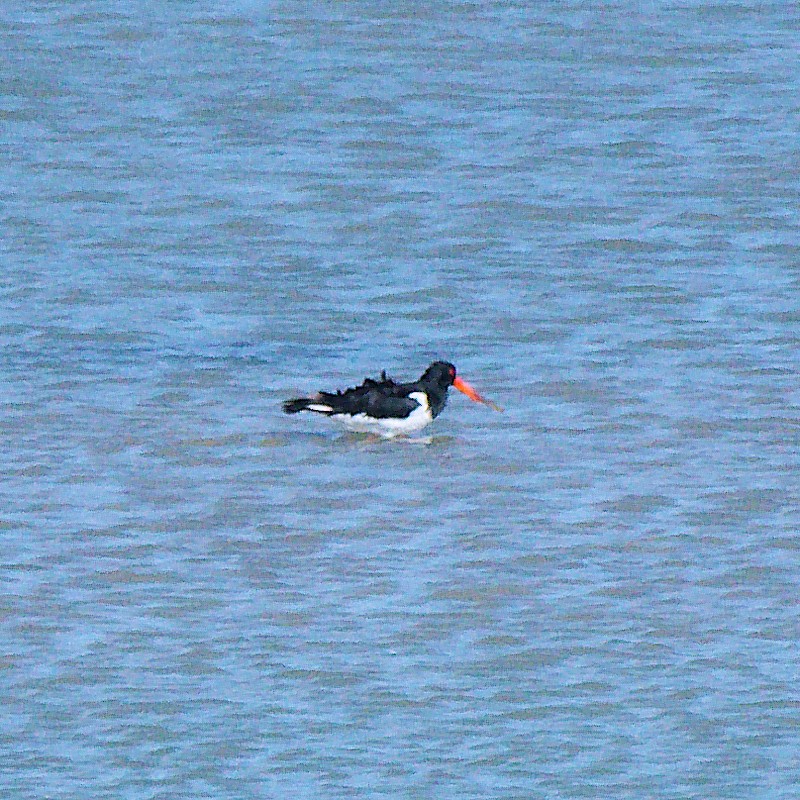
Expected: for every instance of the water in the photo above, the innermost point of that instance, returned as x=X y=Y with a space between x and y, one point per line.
x=590 y=209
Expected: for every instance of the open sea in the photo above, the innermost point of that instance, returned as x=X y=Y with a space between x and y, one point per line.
x=592 y=209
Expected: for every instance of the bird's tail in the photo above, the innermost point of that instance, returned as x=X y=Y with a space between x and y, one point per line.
x=306 y=404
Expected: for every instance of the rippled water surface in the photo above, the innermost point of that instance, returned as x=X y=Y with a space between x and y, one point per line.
x=591 y=208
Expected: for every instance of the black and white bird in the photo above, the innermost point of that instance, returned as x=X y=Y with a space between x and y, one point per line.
x=388 y=408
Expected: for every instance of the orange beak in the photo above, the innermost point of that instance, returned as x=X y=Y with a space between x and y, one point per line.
x=466 y=389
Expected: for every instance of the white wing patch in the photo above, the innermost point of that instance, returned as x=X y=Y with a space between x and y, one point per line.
x=319 y=407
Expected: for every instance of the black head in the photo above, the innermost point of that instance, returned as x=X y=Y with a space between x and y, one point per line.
x=440 y=373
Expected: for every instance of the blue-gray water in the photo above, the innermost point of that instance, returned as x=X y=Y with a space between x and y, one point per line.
x=591 y=208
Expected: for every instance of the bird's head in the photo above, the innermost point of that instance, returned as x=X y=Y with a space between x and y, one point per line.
x=443 y=374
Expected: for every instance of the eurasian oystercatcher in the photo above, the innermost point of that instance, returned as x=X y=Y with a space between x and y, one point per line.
x=388 y=408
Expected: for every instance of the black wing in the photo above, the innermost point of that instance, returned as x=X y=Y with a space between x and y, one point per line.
x=380 y=399
x=383 y=406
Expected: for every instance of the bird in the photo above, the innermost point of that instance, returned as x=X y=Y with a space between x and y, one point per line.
x=387 y=408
